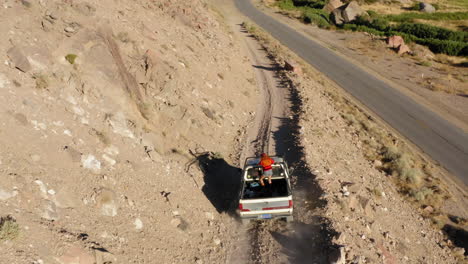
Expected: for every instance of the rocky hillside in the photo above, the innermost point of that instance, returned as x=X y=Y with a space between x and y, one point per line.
x=101 y=102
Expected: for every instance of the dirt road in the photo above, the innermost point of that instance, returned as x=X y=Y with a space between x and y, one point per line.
x=275 y=131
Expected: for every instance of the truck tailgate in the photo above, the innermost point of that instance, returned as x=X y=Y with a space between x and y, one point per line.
x=252 y=206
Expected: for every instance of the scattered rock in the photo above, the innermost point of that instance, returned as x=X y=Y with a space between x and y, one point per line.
x=337 y=256
x=176 y=222
x=91 y=163
x=65 y=199
x=73 y=153
x=377 y=163
x=67 y=132
x=428 y=209
x=84 y=8
x=209 y=215
x=109 y=160
x=76 y=255
x=426 y=8
x=50 y=211
x=107 y=201
x=138 y=224
x=332 y=5
x=459 y=251
x=35 y=157
x=4 y=195
x=69 y=30
x=217 y=241
x=21 y=118
x=353 y=203
x=51 y=15
x=293 y=66
x=42 y=188
x=111 y=150
x=339 y=239
x=395 y=41
x=19 y=60
x=26 y=3
x=366 y=207
x=403 y=49
x=422 y=52
x=104 y=257
x=38 y=125
x=118 y=123
x=3 y=81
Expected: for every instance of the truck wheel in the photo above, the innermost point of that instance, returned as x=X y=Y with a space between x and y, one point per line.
x=289 y=219
x=245 y=221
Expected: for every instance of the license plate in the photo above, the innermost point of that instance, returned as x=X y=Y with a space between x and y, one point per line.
x=265 y=216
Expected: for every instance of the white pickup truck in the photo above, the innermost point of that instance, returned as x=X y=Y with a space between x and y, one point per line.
x=265 y=202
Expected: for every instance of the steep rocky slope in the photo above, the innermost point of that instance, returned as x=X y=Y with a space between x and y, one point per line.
x=101 y=102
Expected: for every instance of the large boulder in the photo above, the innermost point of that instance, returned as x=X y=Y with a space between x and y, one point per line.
x=352 y=11
x=347 y=13
x=337 y=15
x=426 y=8
x=395 y=41
x=403 y=48
x=332 y=5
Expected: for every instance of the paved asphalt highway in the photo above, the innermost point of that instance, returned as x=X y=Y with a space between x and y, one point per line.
x=441 y=140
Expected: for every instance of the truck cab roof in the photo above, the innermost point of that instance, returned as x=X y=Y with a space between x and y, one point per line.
x=253 y=161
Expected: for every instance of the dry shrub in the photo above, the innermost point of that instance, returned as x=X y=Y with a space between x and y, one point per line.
x=42 y=81
x=391 y=153
x=351 y=120
x=9 y=229
x=422 y=194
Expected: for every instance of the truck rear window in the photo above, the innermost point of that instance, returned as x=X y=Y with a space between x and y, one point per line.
x=253 y=189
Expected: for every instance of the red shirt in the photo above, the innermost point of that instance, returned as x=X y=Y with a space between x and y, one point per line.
x=266 y=163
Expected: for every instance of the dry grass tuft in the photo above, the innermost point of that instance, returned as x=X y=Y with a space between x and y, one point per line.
x=42 y=81
x=9 y=229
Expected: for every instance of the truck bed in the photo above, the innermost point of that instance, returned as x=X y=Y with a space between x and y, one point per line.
x=253 y=189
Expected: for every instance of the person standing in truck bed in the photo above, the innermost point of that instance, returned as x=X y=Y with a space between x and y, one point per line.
x=266 y=163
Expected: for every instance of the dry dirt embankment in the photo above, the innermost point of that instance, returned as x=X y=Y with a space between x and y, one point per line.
x=100 y=102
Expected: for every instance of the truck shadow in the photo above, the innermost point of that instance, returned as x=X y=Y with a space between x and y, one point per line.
x=309 y=238
x=303 y=243
x=222 y=181
x=458 y=235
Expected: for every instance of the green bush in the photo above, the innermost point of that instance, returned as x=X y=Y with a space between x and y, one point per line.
x=316 y=16
x=431 y=32
x=372 y=21
x=449 y=47
x=409 y=17
x=373 y=14
x=310 y=3
x=415 y=7
x=286 y=5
